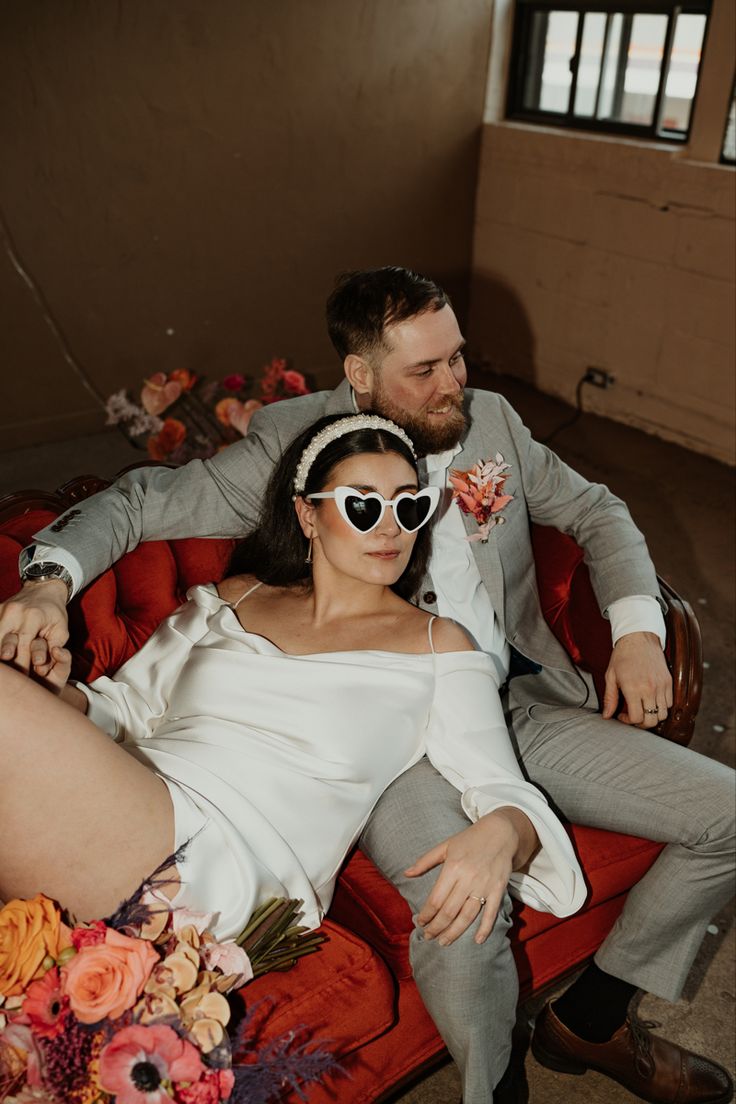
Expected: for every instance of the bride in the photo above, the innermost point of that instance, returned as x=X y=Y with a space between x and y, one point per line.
x=265 y=717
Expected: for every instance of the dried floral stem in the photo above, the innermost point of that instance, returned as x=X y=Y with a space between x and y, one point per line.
x=271 y=939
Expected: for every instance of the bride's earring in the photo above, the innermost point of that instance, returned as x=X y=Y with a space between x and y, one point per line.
x=308 y=558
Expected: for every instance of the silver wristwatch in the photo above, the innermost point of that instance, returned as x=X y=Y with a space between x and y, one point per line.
x=43 y=570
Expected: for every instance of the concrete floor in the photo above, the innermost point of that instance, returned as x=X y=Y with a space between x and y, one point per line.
x=684 y=505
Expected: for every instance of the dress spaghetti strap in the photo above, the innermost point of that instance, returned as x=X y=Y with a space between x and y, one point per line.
x=432 y=620
x=242 y=597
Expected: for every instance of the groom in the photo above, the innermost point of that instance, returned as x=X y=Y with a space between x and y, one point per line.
x=402 y=353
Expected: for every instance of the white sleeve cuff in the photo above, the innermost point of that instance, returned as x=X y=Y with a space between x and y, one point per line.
x=100 y=710
x=46 y=552
x=637 y=613
x=553 y=881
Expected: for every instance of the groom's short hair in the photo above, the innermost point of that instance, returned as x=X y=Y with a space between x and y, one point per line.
x=364 y=303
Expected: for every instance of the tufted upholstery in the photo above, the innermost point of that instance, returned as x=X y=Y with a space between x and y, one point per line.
x=357 y=992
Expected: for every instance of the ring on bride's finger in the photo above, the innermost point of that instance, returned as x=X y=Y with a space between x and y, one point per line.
x=472 y=896
x=655 y=710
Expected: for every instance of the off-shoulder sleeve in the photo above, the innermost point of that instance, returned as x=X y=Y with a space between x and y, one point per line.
x=131 y=702
x=467 y=741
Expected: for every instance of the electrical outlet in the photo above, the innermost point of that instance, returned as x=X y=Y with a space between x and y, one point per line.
x=599 y=377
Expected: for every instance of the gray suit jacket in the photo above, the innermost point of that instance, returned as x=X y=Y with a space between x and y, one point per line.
x=222 y=497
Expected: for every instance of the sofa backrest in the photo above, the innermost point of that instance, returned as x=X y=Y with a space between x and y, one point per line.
x=117 y=613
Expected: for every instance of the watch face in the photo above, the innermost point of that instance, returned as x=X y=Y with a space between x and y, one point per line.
x=42 y=570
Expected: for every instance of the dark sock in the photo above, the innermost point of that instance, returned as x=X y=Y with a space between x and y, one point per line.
x=595 y=1006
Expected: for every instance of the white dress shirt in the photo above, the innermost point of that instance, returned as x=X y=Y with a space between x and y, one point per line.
x=462 y=597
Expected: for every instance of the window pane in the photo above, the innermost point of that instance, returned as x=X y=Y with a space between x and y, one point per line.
x=547 y=87
x=589 y=63
x=643 y=66
x=729 y=142
x=683 y=72
x=612 y=64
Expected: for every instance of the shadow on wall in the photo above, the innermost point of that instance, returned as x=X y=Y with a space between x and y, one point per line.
x=500 y=337
x=643 y=470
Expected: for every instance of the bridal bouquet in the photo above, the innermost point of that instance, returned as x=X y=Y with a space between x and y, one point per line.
x=135 y=1009
x=201 y=417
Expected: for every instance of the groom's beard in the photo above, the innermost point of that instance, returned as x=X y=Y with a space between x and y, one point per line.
x=427 y=435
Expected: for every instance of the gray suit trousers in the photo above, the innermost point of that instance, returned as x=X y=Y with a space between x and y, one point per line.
x=595 y=772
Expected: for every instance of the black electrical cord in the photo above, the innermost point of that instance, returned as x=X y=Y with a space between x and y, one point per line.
x=578 y=411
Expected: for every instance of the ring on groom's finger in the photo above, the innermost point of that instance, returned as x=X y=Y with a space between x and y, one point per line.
x=655 y=710
x=472 y=896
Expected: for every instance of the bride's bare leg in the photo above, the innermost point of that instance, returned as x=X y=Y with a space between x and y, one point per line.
x=81 y=820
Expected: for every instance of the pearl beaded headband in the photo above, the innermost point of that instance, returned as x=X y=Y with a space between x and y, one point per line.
x=339 y=429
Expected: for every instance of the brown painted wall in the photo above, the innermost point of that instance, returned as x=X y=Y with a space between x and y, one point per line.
x=207 y=167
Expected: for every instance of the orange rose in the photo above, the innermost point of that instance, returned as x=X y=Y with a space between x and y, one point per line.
x=226 y=409
x=169 y=439
x=29 y=932
x=184 y=378
x=107 y=979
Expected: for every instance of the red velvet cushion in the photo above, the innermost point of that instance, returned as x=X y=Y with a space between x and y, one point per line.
x=117 y=613
x=568 y=603
x=367 y=903
x=612 y=863
x=343 y=993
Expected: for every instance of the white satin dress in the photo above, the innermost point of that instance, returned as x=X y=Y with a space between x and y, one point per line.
x=275 y=761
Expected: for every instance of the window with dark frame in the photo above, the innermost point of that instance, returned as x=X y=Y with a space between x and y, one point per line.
x=616 y=66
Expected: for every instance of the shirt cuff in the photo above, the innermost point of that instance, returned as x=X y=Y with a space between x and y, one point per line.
x=99 y=710
x=637 y=613
x=553 y=881
x=51 y=553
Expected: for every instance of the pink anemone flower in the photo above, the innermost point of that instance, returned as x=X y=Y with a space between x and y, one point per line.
x=138 y=1061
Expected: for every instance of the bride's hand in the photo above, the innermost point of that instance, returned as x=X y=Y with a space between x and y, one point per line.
x=51 y=668
x=476 y=862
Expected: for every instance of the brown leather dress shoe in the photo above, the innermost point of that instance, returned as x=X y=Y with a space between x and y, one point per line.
x=649 y=1067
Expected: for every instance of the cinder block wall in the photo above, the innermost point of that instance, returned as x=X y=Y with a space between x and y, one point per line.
x=617 y=254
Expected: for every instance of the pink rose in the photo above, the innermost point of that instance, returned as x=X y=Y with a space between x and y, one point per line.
x=104 y=981
x=216 y=1085
x=229 y=958
x=294 y=383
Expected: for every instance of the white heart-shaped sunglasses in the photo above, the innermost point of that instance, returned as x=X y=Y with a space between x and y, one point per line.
x=363 y=512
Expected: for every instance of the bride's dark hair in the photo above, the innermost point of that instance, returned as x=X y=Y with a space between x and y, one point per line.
x=276 y=549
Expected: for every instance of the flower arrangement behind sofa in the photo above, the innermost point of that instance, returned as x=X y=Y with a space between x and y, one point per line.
x=203 y=417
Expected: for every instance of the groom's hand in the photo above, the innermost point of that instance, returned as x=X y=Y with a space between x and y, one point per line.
x=33 y=622
x=637 y=669
x=476 y=866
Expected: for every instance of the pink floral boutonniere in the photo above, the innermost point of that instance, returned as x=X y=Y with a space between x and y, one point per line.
x=479 y=492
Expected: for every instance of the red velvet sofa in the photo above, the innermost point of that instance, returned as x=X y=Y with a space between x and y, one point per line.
x=357 y=992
